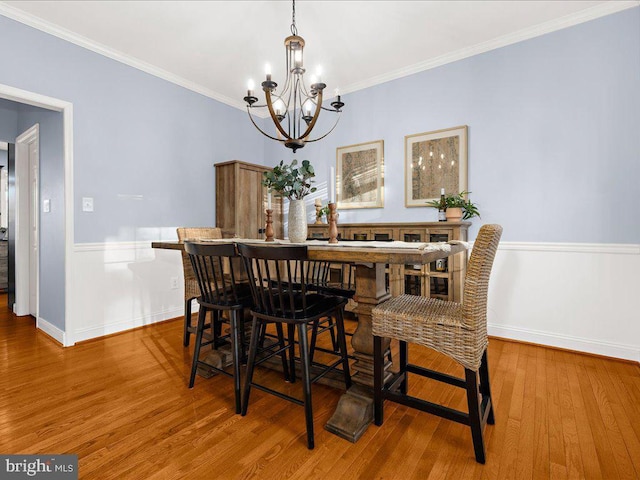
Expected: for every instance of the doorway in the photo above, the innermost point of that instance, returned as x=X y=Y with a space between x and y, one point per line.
x=27 y=222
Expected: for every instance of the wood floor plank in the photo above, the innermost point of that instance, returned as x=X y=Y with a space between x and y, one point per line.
x=121 y=404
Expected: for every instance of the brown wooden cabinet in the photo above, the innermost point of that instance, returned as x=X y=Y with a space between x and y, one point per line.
x=241 y=201
x=442 y=279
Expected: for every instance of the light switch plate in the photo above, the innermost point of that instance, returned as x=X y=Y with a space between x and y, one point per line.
x=87 y=204
x=46 y=205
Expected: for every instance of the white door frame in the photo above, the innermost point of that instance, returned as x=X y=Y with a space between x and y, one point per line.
x=23 y=207
x=66 y=336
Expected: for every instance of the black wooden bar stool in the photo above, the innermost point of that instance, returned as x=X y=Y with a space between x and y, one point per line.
x=280 y=297
x=219 y=292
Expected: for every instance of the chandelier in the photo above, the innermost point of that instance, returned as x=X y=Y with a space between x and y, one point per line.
x=294 y=108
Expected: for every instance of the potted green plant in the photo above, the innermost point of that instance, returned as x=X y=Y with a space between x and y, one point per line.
x=294 y=183
x=323 y=212
x=457 y=207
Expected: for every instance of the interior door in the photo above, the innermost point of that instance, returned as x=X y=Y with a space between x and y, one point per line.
x=33 y=228
x=11 y=224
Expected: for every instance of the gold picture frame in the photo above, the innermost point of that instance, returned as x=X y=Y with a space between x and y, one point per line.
x=435 y=160
x=360 y=175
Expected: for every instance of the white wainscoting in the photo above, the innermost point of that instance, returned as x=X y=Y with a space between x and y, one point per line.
x=578 y=296
x=123 y=285
x=582 y=297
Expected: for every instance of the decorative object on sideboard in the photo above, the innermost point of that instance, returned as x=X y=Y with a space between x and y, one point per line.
x=360 y=176
x=458 y=207
x=293 y=182
x=294 y=110
x=435 y=160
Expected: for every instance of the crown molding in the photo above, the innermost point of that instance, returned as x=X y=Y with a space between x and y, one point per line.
x=592 y=13
x=47 y=27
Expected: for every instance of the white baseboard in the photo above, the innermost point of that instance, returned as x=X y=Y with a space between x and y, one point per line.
x=53 y=331
x=626 y=352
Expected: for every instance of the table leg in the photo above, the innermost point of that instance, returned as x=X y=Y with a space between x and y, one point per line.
x=354 y=411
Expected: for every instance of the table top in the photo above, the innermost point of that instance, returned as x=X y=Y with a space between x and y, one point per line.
x=350 y=252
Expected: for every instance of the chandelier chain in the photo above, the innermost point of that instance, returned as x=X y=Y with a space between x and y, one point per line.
x=294 y=30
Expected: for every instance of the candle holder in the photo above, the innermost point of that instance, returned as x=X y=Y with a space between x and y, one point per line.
x=269 y=230
x=333 y=224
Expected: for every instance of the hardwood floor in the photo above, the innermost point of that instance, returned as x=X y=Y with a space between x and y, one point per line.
x=121 y=403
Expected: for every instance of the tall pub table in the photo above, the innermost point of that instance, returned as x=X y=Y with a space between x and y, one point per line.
x=354 y=411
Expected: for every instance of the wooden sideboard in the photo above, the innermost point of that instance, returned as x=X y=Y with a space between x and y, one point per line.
x=441 y=279
x=241 y=201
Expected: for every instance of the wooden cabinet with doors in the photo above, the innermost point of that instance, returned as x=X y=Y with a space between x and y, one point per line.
x=241 y=201
x=443 y=279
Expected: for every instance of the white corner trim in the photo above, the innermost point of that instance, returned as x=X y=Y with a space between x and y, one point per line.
x=601 y=10
x=53 y=331
x=605 y=8
x=608 y=349
x=612 y=248
x=72 y=37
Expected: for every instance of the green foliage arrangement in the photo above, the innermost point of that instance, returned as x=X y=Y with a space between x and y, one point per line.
x=323 y=211
x=469 y=209
x=291 y=181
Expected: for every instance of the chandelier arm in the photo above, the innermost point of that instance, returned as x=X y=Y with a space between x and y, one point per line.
x=260 y=130
x=267 y=95
x=332 y=128
x=312 y=123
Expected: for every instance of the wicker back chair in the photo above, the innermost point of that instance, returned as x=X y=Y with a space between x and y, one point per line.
x=191 y=289
x=456 y=330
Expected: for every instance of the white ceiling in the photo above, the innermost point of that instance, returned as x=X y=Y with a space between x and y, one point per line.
x=214 y=47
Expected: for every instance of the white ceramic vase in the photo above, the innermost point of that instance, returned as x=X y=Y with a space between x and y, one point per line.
x=297 y=221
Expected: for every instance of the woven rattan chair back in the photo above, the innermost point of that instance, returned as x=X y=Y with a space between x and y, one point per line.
x=476 y=283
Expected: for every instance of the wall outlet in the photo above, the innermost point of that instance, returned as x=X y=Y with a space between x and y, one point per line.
x=175 y=283
x=87 y=204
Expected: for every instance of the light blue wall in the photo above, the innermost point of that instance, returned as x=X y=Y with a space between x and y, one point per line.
x=144 y=148
x=554 y=143
x=52 y=252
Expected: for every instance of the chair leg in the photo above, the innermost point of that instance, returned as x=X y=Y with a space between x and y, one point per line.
x=378 y=400
x=342 y=347
x=235 y=350
x=475 y=419
x=253 y=347
x=306 y=382
x=196 y=349
x=485 y=387
x=314 y=338
x=404 y=359
x=283 y=354
x=291 y=332
x=187 y=322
